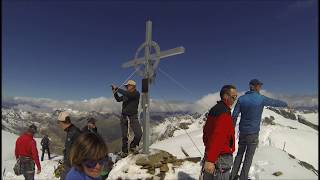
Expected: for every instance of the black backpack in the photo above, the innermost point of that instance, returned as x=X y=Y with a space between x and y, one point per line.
x=17 y=167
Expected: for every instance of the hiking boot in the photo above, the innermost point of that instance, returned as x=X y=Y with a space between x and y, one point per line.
x=123 y=154
x=134 y=150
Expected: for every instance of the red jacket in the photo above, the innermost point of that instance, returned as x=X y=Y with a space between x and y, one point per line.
x=27 y=146
x=218 y=132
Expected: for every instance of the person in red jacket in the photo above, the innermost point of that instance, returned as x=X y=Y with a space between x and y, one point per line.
x=26 y=151
x=218 y=137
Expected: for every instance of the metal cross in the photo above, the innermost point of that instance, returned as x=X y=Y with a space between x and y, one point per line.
x=150 y=63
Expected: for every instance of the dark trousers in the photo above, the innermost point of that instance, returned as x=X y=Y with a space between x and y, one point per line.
x=27 y=167
x=216 y=176
x=247 y=146
x=222 y=171
x=135 y=126
x=43 y=151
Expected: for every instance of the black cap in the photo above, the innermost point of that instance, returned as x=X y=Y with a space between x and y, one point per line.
x=255 y=82
x=33 y=128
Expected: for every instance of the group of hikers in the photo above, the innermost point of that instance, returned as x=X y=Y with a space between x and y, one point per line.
x=219 y=132
x=85 y=155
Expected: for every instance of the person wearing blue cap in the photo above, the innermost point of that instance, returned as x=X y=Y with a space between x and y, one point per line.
x=250 y=105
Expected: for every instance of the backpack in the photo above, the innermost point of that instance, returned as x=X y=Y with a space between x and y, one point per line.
x=17 y=167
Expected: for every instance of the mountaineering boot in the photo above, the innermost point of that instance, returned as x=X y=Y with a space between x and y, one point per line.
x=123 y=154
x=134 y=150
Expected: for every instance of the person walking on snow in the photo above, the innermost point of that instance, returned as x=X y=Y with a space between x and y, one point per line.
x=45 y=143
x=26 y=151
x=130 y=99
x=250 y=105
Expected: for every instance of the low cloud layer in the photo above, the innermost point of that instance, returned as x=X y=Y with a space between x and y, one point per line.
x=103 y=104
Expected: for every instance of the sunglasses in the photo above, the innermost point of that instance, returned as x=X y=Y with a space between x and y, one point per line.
x=234 y=97
x=92 y=163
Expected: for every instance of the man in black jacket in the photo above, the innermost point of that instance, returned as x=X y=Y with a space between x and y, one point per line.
x=130 y=99
x=45 y=142
x=91 y=126
x=72 y=133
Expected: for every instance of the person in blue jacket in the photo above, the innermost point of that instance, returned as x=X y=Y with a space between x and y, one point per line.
x=250 y=105
x=88 y=156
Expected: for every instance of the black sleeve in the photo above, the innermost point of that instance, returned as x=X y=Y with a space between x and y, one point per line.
x=71 y=137
x=117 y=97
x=129 y=95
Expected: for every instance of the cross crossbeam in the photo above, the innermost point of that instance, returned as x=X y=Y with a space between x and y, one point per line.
x=163 y=54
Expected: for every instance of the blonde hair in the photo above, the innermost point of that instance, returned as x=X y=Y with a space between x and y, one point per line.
x=88 y=146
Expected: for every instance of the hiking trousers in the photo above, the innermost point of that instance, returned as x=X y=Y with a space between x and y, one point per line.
x=135 y=126
x=44 y=149
x=247 y=147
x=27 y=167
x=222 y=171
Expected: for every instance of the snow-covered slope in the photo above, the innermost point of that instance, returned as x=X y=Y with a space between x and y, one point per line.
x=296 y=138
x=282 y=147
x=311 y=117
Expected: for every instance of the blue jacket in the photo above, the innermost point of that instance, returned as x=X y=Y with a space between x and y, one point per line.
x=251 y=106
x=75 y=174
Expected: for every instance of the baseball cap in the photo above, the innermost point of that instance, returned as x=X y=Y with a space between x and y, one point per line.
x=62 y=116
x=131 y=82
x=255 y=82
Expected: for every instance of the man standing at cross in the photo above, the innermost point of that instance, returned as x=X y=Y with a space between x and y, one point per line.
x=130 y=99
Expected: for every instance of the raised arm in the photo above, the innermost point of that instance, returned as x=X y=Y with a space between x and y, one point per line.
x=273 y=102
x=128 y=95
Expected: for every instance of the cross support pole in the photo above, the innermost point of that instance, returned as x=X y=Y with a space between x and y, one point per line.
x=150 y=62
x=145 y=95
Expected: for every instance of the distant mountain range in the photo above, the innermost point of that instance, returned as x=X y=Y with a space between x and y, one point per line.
x=17 y=115
x=16 y=121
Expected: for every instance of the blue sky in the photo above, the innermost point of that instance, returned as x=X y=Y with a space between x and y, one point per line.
x=73 y=50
